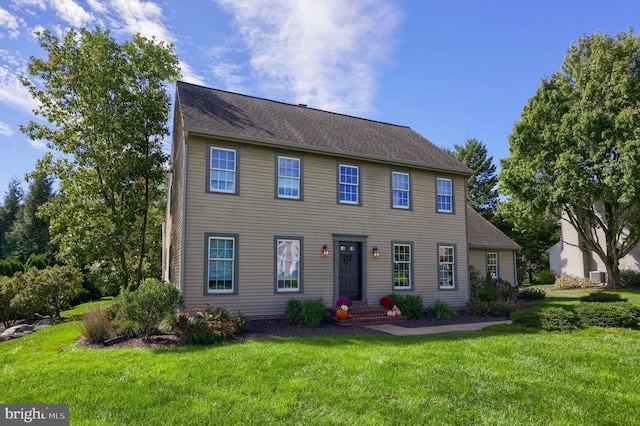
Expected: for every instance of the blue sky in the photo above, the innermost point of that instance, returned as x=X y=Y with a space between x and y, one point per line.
x=451 y=70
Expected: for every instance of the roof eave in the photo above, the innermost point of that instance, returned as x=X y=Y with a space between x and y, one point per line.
x=303 y=148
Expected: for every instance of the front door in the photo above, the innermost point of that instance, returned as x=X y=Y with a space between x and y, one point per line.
x=350 y=270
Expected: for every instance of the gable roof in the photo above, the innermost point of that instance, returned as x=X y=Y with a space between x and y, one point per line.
x=483 y=234
x=212 y=112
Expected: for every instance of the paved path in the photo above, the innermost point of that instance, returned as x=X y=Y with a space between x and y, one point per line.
x=405 y=331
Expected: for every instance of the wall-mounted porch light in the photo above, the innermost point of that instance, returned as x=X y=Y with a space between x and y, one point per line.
x=375 y=252
x=325 y=250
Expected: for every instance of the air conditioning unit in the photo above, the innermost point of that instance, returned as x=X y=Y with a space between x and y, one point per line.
x=599 y=276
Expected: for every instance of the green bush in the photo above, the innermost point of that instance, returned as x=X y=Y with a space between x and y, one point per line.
x=528 y=293
x=557 y=319
x=526 y=317
x=209 y=325
x=496 y=308
x=545 y=277
x=38 y=261
x=505 y=290
x=629 y=278
x=475 y=281
x=8 y=267
x=8 y=313
x=96 y=324
x=602 y=297
x=410 y=305
x=442 y=309
x=294 y=311
x=565 y=282
x=489 y=290
x=608 y=314
x=146 y=307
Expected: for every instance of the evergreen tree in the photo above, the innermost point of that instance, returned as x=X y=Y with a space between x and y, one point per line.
x=8 y=214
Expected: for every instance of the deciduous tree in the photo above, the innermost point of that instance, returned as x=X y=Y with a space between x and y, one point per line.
x=576 y=150
x=107 y=108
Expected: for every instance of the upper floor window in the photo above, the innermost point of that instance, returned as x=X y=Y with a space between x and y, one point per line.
x=222 y=170
x=289 y=177
x=446 y=267
x=445 y=195
x=402 y=266
x=349 y=184
x=400 y=187
x=492 y=264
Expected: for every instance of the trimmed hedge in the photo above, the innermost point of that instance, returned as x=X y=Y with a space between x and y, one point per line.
x=602 y=297
x=608 y=314
x=548 y=319
x=528 y=293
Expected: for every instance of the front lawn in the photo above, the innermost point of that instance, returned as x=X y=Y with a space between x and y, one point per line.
x=502 y=376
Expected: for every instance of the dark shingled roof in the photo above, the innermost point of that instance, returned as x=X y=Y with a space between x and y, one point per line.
x=255 y=120
x=482 y=234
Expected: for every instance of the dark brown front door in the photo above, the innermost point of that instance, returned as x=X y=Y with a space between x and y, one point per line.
x=350 y=280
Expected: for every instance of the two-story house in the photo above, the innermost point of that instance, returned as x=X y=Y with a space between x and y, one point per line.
x=270 y=201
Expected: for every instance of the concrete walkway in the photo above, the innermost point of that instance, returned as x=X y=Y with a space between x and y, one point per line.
x=405 y=331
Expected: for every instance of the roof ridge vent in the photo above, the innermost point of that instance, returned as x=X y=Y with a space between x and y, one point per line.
x=302 y=105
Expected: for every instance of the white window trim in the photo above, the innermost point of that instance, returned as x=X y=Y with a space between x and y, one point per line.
x=497 y=265
x=298 y=289
x=357 y=185
x=299 y=178
x=453 y=267
x=235 y=170
x=410 y=263
x=234 y=261
x=438 y=194
x=408 y=191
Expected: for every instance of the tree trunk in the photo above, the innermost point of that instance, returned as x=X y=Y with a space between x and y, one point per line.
x=613 y=273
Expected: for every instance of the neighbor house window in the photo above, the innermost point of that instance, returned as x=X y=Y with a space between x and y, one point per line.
x=288 y=264
x=289 y=177
x=222 y=170
x=446 y=267
x=400 y=187
x=402 y=266
x=222 y=264
x=492 y=264
x=349 y=184
x=445 y=195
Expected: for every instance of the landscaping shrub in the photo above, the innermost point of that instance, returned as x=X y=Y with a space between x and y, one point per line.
x=441 y=309
x=148 y=306
x=294 y=311
x=209 y=325
x=526 y=317
x=608 y=314
x=8 y=267
x=8 y=314
x=527 y=293
x=598 y=296
x=565 y=282
x=496 y=308
x=410 y=305
x=557 y=319
x=629 y=278
x=505 y=290
x=96 y=324
x=545 y=277
x=489 y=290
x=475 y=281
x=46 y=291
x=38 y=261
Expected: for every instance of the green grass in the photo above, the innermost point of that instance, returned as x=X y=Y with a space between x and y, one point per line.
x=501 y=376
x=579 y=292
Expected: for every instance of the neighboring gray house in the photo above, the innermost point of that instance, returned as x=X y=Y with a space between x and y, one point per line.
x=270 y=201
x=490 y=250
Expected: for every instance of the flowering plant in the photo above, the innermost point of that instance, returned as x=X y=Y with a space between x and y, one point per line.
x=344 y=301
x=387 y=302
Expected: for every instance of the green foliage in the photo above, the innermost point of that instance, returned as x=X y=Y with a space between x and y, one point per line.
x=38 y=261
x=209 y=325
x=608 y=314
x=153 y=302
x=441 y=309
x=557 y=319
x=545 y=277
x=8 y=313
x=107 y=108
x=496 y=308
x=475 y=281
x=576 y=148
x=294 y=311
x=526 y=318
x=599 y=296
x=96 y=324
x=489 y=290
x=528 y=293
x=46 y=291
x=8 y=267
x=410 y=305
x=311 y=313
x=8 y=212
x=629 y=278
x=567 y=282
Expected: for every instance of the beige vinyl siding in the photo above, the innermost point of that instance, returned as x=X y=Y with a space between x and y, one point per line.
x=256 y=215
x=506 y=263
x=175 y=213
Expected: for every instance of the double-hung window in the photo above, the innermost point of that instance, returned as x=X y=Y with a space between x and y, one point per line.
x=223 y=170
x=492 y=264
x=402 y=266
x=289 y=177
x=400 y=187
x=446 y=267
x=349 y=184
x=288 y=264
x=221 y=264
x=445 y=195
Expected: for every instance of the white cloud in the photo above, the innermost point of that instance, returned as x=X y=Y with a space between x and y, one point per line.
x=5 y=129
x=324 y=54
x=10 y=22
x=71 y=12
x=189 y=75
x=38 y=144
x=97 y=6
x=142 y=17
x=12 y=92
x=231 y=74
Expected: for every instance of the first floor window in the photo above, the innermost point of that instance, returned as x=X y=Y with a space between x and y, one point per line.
x=402 y=266
x=446 y=267
x=492 y=264
x=222 y=259
x=445 y=195
x=288 y=264
x=222 y=170
x=349 y=185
